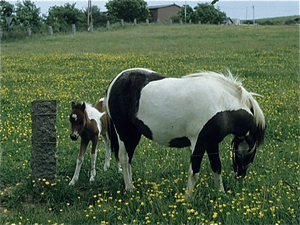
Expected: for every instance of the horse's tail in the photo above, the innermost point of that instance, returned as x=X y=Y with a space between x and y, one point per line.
x=259 y=118
x=111 y=130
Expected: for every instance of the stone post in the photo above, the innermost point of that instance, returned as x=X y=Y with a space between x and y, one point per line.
x=73 y=29
x=50 y=31
x=43 y=153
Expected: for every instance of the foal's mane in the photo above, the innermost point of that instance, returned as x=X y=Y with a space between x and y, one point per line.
x=79 y=104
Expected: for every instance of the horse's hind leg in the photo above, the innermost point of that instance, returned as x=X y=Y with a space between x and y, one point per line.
x=215 y=163
x=108 y=152
x=126 y=150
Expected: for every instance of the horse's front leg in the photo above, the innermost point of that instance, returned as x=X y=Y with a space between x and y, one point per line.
x=94 y=157
x=126 y=166
x=215 y=163
x=83 y=146
x=196 y=159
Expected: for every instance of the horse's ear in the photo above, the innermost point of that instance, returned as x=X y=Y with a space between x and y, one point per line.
x=73 y=105
x=82 y=107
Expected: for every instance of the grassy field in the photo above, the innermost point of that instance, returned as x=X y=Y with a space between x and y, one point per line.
x=278 y=20
x=75 y=68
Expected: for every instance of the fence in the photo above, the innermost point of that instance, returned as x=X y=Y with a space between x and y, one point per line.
x=122 y=24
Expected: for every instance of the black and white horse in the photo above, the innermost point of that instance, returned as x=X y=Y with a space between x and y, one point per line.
x=197 y=110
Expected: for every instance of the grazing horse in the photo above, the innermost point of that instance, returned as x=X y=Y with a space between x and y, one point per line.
x=89 y=122
x=198 y=110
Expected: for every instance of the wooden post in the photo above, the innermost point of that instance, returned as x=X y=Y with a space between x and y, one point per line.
x=107 y=25
x=43 y=153
x=147 y=22
x=180 y=22
x=134 y=22
x=158 y=22
x=122 y=22
x=170 y=22
x=29 y=31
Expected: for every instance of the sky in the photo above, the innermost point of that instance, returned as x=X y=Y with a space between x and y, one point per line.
x=240 y=9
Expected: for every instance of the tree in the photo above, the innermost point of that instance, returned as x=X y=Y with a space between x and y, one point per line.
x=128 y=10
x=208 y=13
x=61 y=18
x=99 y=19
x=6 y=10
x=28 y=15
x=190 y=14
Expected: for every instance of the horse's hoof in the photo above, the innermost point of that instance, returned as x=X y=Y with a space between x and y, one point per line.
x=130 y=188
x=106 y=166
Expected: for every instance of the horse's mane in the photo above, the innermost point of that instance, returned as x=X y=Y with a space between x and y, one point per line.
x=229 y=78
x=246 y=98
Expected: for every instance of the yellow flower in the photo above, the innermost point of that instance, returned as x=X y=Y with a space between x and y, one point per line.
x=215 y=215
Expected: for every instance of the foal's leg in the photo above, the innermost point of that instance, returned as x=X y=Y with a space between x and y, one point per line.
x=94 y=157
x=215 y=163
x=83 y=146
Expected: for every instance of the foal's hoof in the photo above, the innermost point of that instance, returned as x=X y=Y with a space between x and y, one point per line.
x=72 y=182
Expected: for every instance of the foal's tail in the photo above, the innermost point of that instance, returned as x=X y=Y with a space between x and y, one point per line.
x=259 y=118
x=111 y=130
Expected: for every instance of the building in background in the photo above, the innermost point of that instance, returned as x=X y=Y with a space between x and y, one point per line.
x=163 y=12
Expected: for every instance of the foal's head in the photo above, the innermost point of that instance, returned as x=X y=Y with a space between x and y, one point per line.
x=77 y=119
x=244 y=150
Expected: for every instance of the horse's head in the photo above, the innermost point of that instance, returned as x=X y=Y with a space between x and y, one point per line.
x=244 y=150
x=77 y=119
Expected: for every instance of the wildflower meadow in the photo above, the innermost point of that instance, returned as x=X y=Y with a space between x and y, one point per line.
x=80 y=67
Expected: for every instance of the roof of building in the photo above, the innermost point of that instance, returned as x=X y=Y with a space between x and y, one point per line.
x=162 y=6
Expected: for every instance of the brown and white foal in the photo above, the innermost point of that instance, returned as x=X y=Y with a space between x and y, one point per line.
x=89 y=122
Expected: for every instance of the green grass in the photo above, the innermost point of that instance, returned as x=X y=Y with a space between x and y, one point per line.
x=278 y=20
x=75 y=68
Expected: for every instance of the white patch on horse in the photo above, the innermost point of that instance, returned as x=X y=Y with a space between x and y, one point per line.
x=74 y=116
x=218 y=182
x=169 y=119
x=94 y=114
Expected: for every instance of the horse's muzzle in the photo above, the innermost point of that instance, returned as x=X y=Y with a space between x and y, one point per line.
x=74 y=137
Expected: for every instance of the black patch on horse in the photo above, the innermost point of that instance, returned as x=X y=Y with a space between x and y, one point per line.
x=180 y=142
x=123 y=106
x=237 y=122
